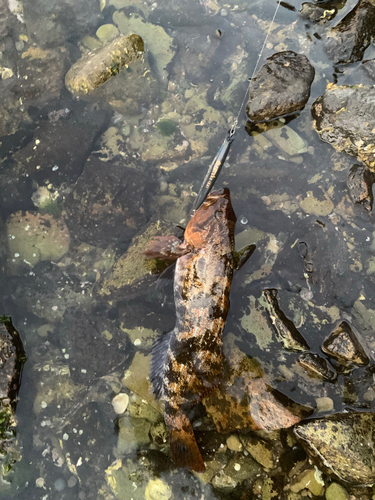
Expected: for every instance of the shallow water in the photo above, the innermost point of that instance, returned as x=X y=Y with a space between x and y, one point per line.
x=79 y=345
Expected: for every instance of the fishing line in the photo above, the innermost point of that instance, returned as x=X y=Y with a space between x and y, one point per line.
x=218 y=161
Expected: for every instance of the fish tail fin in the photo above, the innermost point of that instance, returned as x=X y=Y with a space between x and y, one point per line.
x=184 y=446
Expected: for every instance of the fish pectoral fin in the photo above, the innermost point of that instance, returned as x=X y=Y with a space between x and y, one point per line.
x=158 y=361
x=165 y=277
x=166 y=248
x=242 y=256
x=184 y=448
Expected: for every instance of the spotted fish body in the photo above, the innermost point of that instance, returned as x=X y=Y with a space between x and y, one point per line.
x=187 y=363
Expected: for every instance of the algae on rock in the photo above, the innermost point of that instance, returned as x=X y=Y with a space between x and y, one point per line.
x=157 y=41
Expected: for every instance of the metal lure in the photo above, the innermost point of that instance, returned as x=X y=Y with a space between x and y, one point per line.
x=214 y=170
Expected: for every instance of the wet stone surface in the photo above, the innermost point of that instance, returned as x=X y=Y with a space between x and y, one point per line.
x=344 y=345
x=282 y=86
x=360 y=181
x=347 y=42
x=332 y=114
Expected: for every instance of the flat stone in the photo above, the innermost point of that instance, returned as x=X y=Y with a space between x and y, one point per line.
x=287 y=140
x=260 y=450
x=33 y=237
x=282 y=86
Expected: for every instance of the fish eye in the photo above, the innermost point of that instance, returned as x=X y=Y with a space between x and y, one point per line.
x=218 y=214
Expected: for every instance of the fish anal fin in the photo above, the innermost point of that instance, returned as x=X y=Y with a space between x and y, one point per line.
x=158 y=361
x=166 y=248
x=185 y=451
x=242 y=256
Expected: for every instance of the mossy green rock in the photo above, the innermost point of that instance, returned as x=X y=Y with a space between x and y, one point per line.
x=96 y=67
x=342 y=444
x=132 y=274
x=107 y=32
x=158 y=43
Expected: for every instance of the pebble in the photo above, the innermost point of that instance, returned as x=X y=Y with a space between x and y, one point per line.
x=120 y=403
x=234 y=444
x=60 y=484
x=72 y=481
x=224 y=12
x=324 y=404
x=336 y=492
x=157 y=490
x=39 y=483
x=306 y=294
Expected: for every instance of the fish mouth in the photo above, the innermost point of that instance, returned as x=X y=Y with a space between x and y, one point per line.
x=218 y=193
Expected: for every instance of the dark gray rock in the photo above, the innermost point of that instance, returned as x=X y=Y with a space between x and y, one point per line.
x=48 y=291
x=316 y=13
x=282 y=86
x=360 y=181
x=107 y=203
x=342 y=444
x=60 y=148
x=345 y=118
x=12 y=358
x=41 y=75
x=347 y=42
x=50 y=23
x=93 y=344
x=6 y=19
x=369 y=67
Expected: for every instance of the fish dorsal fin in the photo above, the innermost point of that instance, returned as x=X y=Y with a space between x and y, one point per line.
x=166 y=248
x=158 y=362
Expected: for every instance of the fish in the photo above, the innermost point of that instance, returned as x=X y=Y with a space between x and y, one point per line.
x=187 y=363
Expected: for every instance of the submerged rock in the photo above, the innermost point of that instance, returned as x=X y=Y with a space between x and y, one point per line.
x=59 y=149
x=282 y=86
x=12 y=358
x=316 y=14
x=369 y=67
x=342 y=444
x=41 y=75
x=157 y=41
x=347 y=42
x=360 y=181
x=97 y=210
x=317 y=366
x=344 y=345
x=52 y=22
x=132 y=274
x=286 y=333
x=98 y=66
x=92 y=345
x=344 y=116
x=35 y=237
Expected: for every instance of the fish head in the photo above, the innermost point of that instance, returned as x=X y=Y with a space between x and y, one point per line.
x=213 y=222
